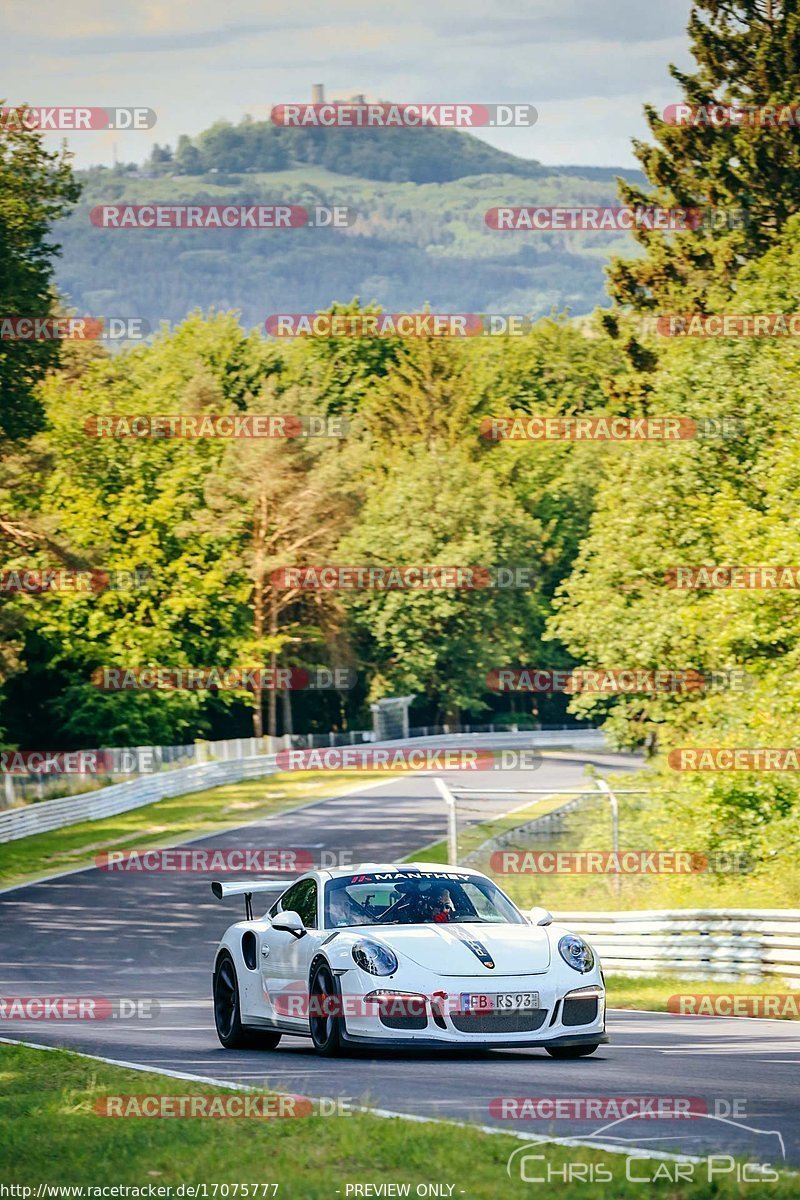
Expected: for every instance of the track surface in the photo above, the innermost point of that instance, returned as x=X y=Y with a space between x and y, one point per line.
x=153 y=936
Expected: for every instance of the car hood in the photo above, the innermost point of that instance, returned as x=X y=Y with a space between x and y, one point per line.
x=471 y=949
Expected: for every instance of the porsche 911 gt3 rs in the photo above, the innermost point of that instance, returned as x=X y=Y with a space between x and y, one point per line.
x=415 y=954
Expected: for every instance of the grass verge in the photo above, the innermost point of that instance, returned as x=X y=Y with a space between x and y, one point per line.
x=54 y=1135
x=653 y=993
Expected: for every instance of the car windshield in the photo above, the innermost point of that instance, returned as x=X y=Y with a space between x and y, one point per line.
x=399 y=898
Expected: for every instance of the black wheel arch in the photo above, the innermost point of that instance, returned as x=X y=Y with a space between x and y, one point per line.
x=224 y=952
x=320 y=960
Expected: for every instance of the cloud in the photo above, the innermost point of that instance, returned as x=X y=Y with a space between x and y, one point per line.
x=588 y=68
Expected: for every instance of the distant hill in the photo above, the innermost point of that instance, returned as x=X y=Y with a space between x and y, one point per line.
x=420 y=236
x=394 y=155
x=605 y=173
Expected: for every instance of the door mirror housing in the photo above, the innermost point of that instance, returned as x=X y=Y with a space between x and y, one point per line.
x=540 y=916
x=289 y=922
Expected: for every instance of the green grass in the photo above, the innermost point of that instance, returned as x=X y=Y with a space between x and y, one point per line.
x=629 y=991
x=52 y=1134
x=168 y=822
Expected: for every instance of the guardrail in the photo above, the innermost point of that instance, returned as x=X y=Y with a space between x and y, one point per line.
x=145 y=760
x=121 y=797
x=702 y=943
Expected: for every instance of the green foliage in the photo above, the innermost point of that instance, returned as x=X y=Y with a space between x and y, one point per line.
x=36 y=188
x=718 y=501
x=211 y=520
x=398 y=155
x=748 y=55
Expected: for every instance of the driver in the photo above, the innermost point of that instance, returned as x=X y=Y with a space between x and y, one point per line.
x=342 y=909
x=442 y=907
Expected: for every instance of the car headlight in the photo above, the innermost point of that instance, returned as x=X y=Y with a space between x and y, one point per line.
x=374 y=959
x=576 y=953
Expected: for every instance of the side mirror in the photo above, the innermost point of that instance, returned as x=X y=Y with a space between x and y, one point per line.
x=540 y=916
x=289 y=922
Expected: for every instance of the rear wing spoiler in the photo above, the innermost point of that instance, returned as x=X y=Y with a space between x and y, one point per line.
x=246 y=888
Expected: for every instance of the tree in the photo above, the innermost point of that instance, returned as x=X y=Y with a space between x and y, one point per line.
x=747 y=54
x=274 y=504
x=121 y=502
x=209 y=519
x=188 y=159
x=430 y=496
x=36 y=189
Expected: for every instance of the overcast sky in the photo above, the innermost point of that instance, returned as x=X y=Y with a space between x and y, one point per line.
x=588 y=67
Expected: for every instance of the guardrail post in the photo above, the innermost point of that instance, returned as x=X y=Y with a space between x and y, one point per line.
x=452 y=827
x=614 y=802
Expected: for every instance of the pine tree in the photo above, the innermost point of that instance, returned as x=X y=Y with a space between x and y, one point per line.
x=748 y=55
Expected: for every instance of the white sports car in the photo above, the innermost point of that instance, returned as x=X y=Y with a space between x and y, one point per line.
x=416 y=955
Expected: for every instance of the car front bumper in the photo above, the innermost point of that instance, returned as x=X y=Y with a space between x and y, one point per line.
x=562 y=1018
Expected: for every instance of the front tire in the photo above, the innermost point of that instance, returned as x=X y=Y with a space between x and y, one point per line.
x=571 y=1051
x=227 y=1014
x=324 y=1022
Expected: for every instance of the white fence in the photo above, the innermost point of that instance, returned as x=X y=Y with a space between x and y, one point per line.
x=131 y=762
x=121 y=797
x=702 y=943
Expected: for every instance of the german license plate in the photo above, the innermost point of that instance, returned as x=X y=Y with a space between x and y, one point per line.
x=482 y=1002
